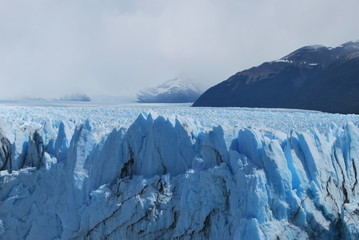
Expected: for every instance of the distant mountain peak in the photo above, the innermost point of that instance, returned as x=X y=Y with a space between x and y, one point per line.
x=351 y=44
x=310 y=54
x=175 y=90
x=314 y=47
x=319 y=54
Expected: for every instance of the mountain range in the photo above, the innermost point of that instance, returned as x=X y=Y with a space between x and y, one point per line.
x=313 y=77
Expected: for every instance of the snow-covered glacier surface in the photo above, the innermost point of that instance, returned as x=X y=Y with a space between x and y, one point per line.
x=175 y=172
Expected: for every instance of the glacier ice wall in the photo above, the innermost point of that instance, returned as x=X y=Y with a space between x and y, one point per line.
x=170 y=179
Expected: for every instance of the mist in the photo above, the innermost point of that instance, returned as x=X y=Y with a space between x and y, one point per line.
x=52 y=48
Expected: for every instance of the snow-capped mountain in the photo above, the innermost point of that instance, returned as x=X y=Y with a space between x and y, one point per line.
x=177 y=173
x=312 y=77
x=177 y=90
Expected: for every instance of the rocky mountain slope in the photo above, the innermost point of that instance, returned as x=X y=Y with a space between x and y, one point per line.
x=313 y=77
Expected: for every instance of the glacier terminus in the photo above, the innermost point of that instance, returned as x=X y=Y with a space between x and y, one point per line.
x=175 y=172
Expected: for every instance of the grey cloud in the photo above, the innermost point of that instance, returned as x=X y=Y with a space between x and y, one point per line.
x=52 y=48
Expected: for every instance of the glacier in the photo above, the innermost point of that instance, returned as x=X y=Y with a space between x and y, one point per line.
x=174 y=172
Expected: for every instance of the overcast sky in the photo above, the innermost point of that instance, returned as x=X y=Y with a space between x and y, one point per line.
x=111 y=47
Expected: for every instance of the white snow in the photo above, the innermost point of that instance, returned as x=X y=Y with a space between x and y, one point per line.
x=283 y=60
x=177 y=86
x=171 y=171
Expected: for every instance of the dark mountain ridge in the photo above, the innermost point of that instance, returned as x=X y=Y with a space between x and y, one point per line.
x=312 y=77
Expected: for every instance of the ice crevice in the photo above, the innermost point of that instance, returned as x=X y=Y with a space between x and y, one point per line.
x=171 y=179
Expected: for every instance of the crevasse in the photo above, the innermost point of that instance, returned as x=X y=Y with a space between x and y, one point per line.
x=162 y=179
